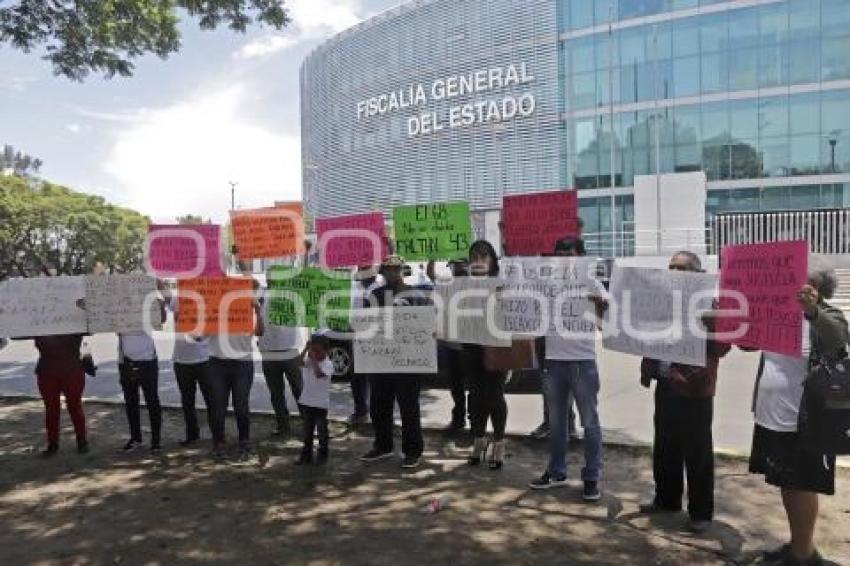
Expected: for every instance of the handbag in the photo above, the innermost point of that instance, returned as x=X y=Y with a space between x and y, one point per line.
x=824 y=422
x=88 y=365
x=519 y=355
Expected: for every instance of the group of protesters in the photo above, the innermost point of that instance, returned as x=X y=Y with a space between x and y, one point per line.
x=682 y=449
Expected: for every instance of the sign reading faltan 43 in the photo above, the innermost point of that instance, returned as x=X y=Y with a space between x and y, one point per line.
x=487 y=83
x=440 y=231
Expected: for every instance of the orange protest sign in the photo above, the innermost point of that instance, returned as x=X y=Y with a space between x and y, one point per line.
x=207 y=306
x=264 y=233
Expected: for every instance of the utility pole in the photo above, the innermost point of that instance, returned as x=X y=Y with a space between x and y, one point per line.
x=233 y=185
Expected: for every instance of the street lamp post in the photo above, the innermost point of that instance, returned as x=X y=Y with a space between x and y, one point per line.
x=833 y=141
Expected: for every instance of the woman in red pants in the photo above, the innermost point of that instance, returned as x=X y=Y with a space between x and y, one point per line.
x=60 y=372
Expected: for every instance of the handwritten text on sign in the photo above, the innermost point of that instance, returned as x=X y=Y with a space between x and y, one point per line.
x=307 y=297
x=432 y=231
x=209 y=306
x=42 y=306
x=657 y=313
x=533 y=223
x=268 y=232
x=184 y=250
x=395 y=340
x=549 y=296
x=464 y=305
x=352 y=241
x=769 y=276
x=122 y=303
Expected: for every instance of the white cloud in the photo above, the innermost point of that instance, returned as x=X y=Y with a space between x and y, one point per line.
x=179 y=159
x=74 y=128
x=311 y=19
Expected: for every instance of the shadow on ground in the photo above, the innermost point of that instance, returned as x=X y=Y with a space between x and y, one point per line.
x=180 y=506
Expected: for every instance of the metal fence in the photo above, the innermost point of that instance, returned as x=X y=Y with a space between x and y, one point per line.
x=827 y=231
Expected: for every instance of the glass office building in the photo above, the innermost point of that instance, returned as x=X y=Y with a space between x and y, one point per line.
x=755 y=93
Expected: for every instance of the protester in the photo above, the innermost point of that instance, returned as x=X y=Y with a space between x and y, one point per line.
x=684 y=406
x=451 y=357
x=138 y=368
x=366 y=280
x=486 y=388
x=281 y=349
x=386 y=389
x=191 y=369
x=231 y=375
x=570 y=367
x=59 y=371
x=778 y=452
x=314 y=400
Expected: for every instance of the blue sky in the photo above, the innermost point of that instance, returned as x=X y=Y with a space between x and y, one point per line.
x=167 y=140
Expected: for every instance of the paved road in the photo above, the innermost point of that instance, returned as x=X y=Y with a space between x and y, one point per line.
x=626 y=408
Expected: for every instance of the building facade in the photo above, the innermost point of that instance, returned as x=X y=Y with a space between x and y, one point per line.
x=474 y=99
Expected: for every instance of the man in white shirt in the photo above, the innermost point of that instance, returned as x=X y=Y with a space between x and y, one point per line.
x=570 y=370
x=281 y=348
x=138 y=368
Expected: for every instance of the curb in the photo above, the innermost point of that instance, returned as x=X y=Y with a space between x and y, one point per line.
x=725 y=453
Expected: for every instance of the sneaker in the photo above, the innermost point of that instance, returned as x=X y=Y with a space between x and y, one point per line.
x=653 y=508
x=50 y=451
x=245 y=448
x=304 y=459
x=814 y=560
x=776 y=555
x=541 y=432
x=374 y=455
x=156 y=448
x=454 y=428
x=697 y=527
x=132 y=445
x=283 y=429
x=83 y=447
x=218 y=452
x=409 y=462
x=591 y=491
x=356 y=419
x=546 y=481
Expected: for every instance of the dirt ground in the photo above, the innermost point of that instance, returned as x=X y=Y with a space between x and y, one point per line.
x=182 y=507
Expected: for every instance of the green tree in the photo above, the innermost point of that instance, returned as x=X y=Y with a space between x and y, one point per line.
x=51 y=223
x=105 y=36
x=19 y=163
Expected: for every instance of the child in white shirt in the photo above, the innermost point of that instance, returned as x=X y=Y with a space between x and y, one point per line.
x=315 y=398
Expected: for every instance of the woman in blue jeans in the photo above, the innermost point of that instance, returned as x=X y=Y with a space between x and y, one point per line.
x=231 y=373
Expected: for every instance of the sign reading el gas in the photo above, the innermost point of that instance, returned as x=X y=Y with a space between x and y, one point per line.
x=480 y=111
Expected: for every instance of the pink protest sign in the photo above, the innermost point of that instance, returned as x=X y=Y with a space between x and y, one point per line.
x=183 y=251
x=533 y=223
x=352 y=241
x=766 y=278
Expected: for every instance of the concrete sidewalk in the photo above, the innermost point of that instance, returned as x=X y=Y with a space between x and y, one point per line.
x=625 y=407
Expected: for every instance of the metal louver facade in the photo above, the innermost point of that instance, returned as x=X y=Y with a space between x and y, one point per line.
x=355 y=163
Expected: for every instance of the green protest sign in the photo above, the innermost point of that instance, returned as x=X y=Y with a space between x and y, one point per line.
x=440 y=231
x=308 y=297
